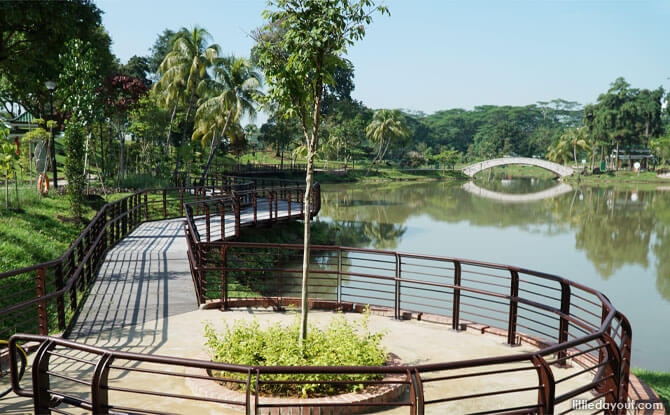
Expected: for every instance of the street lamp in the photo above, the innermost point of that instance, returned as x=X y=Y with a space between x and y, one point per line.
x=51 y=85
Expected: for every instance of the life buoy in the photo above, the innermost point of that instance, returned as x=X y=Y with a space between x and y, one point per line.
x=43 y=184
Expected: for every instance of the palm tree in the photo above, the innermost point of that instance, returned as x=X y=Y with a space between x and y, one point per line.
x=169 y=93
x=229 y=95
x=574 y=138
x=386 y=127
x=184 y=67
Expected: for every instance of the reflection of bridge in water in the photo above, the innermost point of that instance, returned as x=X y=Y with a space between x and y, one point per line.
x=562 y=171
x=557 y=190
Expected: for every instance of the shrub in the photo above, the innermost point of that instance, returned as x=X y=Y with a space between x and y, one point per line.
x=342 y=343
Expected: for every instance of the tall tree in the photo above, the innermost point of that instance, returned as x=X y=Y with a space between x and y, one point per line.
x=298 y=64
x=229 y=95
x=185 y=66
x=161 y=47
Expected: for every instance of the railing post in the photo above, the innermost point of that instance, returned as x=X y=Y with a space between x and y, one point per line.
x=255 y=203
x=181 y=201
x=236 y=201
x=125 y=216
x=398 y=272
x=73 y=290
x=164 y=204
x=222 y=213
x=146 y=205
x=289 y=203
x=547 y=386
x=42 y=318
x=224 y=280
x=207 y=225
x=612 y=371
x=99 y=393
x=513 y=308
x=270 y=206
x=276 y=197
x=339 y=276
x=456 y=303
x=41 y=395
x=564 y=323
x=60 y=303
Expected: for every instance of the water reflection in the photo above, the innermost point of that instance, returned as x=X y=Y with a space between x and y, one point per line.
x=613 y=227
x=506 y=197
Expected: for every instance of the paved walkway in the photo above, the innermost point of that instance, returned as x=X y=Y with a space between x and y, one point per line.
x=146 y=276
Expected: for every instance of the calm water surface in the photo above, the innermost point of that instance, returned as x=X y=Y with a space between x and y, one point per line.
x=614 y=240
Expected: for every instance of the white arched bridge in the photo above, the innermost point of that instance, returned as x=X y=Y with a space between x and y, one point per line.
x=560 y=170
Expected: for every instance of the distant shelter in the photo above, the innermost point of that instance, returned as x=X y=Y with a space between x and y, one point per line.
x=629 y=156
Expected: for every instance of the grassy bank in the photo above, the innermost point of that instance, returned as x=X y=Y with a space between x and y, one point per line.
x=516 y=170
x=33 y=233
x=381 y=175
x=618 y=177
x=658 y=381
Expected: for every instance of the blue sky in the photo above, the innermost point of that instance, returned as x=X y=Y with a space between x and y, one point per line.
x=438 y=54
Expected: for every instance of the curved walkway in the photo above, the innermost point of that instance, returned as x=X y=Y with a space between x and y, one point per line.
x=146 y=276
x=560 y=170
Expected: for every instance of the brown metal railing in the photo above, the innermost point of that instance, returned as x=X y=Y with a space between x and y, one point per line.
x=570 y=324
x=43 y=298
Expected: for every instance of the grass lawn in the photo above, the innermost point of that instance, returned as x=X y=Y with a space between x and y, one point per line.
x=659 y=381
x=33 y=233
x=517 y=170
x=621 y=176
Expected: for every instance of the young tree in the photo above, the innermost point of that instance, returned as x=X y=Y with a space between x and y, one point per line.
x=9 y=158
x=300 y=49
x=80 y=83
x=120 y=94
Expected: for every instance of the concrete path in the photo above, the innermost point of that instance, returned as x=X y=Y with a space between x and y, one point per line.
x=415 y=342
x=146 y=276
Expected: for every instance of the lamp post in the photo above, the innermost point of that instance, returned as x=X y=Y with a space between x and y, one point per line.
x=51 y=85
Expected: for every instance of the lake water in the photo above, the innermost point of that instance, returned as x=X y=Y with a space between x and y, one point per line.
x=616 y=240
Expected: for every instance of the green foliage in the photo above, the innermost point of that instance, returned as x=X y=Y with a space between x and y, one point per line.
x=342 y=343
x=659 y=381
x=448 y=158
x=79 y=81
x=624 y=115
x=74 y=166
x=9 y=162
x=33 y=36
x=387 y=128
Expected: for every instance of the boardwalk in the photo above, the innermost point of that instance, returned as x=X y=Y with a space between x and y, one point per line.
x=146 y=276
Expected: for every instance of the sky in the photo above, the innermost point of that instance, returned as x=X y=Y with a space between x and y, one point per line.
x=431 y=55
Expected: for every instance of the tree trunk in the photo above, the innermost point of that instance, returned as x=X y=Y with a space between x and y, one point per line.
x=215 y=146
x=312 y=143
x=121 y=160
x=574 y=153
x=616 y=166
x=174 y=112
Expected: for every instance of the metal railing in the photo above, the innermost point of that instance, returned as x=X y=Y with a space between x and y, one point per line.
x=43 y=298
x=570 y=324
